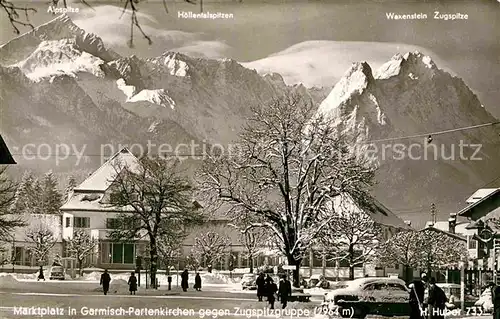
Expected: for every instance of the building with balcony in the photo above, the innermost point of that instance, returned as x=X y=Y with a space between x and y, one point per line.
x=87 y=209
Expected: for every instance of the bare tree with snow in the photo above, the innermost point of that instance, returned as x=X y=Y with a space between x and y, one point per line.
x=287 y=167
x=157 y=200
x=401 y=249
x=170 y=245
x=41 y=236
x=9 y=220
x=81 y=246
x=210 y=247
x=351 y=237
x=439 y=250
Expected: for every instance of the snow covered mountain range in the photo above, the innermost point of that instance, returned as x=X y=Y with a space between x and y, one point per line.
x=60 y=84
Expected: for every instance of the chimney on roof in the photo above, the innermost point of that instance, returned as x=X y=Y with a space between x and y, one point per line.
x=452 y=222
x=408 y=222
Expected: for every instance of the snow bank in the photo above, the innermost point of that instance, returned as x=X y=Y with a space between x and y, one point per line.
x=8 y=281
x=117 y=286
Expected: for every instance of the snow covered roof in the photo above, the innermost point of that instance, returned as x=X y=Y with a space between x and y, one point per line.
x=101 y=179
x=493 y=214
x=460 y=228
x=85 y=201
x=376 y=210
x=469 y=210
x=456 y=236
x=480 y=194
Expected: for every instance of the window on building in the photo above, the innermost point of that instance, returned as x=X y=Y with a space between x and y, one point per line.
x=117 y=253
x=128 y=254
x=472 y=244
x=81 y=222
x=68 y=222
x=112 y=223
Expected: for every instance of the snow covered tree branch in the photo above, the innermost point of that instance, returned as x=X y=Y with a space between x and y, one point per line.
x=8 y=219
x=156 y=200
x=351 y=236
x=80 y=247
x=41 y=235
x=288 y=166
x=253 y=238
x=210 y=247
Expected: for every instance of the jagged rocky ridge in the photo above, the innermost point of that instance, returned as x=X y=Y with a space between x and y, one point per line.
x=406 y=96
x=60 y=84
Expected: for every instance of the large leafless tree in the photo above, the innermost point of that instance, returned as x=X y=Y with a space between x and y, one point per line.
x=81 y=246
x=352 y=237
x=288 y=165
x=8 y=220
x=42 y=236
x=210 y=247
x=157 y=200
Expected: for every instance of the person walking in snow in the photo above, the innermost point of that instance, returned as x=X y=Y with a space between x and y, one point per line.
x=132 y=283
x=260 y=283
x=285 y=291
x=104 y=282
x=40 y=275
x=197 y=282
x=184 y=280
x=270 y=289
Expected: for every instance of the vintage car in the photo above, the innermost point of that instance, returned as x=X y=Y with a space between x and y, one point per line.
x=368 y=296
x=57 y=273
x=249 y=282
x=318 y=281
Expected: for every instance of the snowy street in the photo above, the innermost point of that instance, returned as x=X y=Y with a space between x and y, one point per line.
x=85 y=296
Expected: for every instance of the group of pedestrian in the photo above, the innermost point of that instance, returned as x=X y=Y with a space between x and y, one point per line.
x=185 y=279
x=132 y=282
x=431 y=305
x=266 y=287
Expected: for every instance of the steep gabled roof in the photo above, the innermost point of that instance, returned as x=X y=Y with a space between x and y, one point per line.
x=5 y=155
x=466 y=212
x=455 y=236
x=379 y=213
x=101 y=179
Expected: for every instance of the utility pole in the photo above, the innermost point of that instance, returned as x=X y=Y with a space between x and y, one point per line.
x=433 y=214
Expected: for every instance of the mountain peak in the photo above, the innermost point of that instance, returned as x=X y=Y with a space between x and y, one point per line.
x=59 y=28
x=174 y=62
x=355 y=81
x=412 y=64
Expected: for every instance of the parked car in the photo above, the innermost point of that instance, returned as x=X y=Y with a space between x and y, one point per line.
x=368 y=296
x=249 y=282
x=320 y=282
x=57 y=273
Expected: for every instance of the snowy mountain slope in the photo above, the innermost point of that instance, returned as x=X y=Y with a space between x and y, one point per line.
x=409 y=95
x=60 y=57
x=60 y=28
x=61 y=85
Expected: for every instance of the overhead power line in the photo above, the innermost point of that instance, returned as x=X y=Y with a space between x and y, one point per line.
x=429 y=134
x=171 y=154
